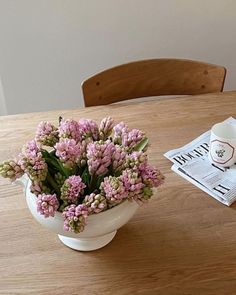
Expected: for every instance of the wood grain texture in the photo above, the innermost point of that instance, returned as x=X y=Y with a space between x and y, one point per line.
x=152 y=78
x=181 y=242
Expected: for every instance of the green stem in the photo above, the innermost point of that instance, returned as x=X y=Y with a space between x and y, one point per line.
x=53 y=183
x=92 y=183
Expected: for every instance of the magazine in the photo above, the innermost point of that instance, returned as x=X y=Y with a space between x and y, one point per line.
x=192 y=163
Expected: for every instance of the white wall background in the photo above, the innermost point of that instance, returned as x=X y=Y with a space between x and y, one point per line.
x=47 y=47
x=3 y=108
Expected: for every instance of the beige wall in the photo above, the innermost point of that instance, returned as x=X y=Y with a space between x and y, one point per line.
x=47 y=47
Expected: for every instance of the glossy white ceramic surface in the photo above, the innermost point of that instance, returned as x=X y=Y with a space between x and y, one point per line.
x=100 y=228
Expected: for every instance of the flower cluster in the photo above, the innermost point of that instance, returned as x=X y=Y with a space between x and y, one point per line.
x=80 y=168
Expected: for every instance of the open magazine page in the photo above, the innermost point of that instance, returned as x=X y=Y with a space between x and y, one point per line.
x=191 y=162
x=198 y=184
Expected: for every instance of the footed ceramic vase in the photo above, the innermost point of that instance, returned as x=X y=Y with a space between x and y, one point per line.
x=99 y=231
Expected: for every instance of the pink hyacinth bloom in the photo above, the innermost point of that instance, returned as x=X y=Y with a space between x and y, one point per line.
x=118 y=159
x=46 y=134
x=69 y=129
x=83 y=158
x=31 y=149
x=75 y=218
x=114 y=190
x=99 y=155
x=132 y=182
x=32 y=162
x=132 y=138
x=11 y=169
x=105 y=128
x=36 y=187
x=47 y=205
x=88 y=128
x=68 y=151
x=72 y=189
x=136 y=159
x=151 y=176
x=95 y=203
x=120 y=130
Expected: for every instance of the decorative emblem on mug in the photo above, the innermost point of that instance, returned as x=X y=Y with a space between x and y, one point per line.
x=220 y=153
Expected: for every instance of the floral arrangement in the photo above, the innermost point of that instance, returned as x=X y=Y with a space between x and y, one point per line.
x=81 y=168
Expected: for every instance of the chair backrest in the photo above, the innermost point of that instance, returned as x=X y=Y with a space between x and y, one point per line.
x=152 y=77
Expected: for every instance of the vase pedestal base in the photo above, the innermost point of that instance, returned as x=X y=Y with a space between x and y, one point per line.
x=87 y=244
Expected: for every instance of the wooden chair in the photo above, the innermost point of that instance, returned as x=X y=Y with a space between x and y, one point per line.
x=152 y=77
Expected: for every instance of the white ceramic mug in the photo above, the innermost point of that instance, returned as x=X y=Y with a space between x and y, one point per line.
x=223 y=144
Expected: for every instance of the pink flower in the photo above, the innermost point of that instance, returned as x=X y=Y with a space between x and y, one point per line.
x=47 y=205
x=37 y=188
x=132 y=182
x=128 y=138
x=75 y=218
x=118 y=159
x=11 y=169
x=132 y=138
x=136 y=159
x=72 y=189
x=31 y=149
x=96 y=203
x=99 y=156
x=114 y=190
x=68 y=151
x=119 y=131
x=151 y=176
x=88 y=128
x=46 y=134
x=105 y=128
x=69 y=129
x=32 y=162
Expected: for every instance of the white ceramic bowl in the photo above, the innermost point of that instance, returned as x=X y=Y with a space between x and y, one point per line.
x=99 y=231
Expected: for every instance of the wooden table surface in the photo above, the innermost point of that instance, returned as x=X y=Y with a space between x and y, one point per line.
x=182 y=242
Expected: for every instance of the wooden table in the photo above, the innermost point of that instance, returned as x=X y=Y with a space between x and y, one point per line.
x=182 y=242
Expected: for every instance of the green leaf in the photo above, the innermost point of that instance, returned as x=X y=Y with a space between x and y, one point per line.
x=64 y=170
x=53 y=183
x=141 y=145
x=51 y=159
x=99 y=181
x=45 y=153
x=85 y=176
